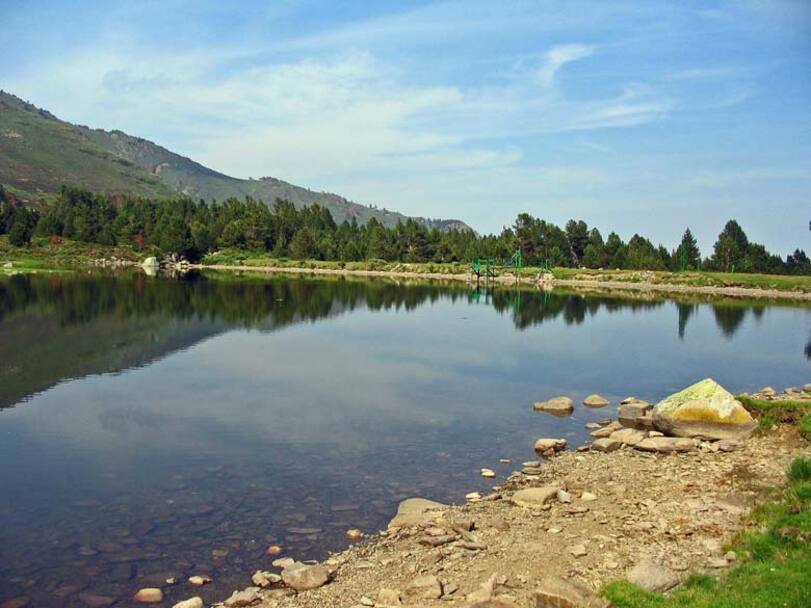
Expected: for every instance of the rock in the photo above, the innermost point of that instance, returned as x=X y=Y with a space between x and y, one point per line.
x=415 y=511
x=388 y=597
x=667 y=444
x=628 y=436
x=95 y=600
x=606 y=445
x=265 y=579
x=548 y=447
x=632 y=413
x=559 y=406
x=150 y=262
x=704 y=410
x=243 y=598
x=366 y=601
x=564 y=496
x=593 y=425
x=767 y=391
x=283 y=562
x=792 y=390
x=607 y=430
x=534 y=497
x=652 y=576
x=730 y=556
x=424 y=588
x=192 y=602
x=21 y=601
x=728 y=445
x=554 y=592
x=596 y=401
x=436 y=541
x=148 y=595
x=199 y=580
x=807 y=388
x=302 y=577
x=588 y=497
x=472 y=497
x=488 y=473
x=354 y=534
x=578 y=550
x=274 y=550
x=717 y=562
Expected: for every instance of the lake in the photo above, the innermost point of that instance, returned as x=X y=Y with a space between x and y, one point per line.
x=155 y=427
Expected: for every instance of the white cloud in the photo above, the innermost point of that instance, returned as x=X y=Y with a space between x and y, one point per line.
x=558 y=56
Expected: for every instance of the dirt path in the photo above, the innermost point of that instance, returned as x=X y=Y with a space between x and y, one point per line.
x=659 y=288
x=677 y=510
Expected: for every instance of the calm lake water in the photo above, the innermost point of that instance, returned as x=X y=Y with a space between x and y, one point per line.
x=154 y=428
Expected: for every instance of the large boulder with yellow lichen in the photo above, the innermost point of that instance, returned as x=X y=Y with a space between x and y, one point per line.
x=705 y=410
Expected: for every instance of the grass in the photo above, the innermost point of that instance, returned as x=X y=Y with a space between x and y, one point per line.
x=770 y=412
x=776 y=553
x=53 y=254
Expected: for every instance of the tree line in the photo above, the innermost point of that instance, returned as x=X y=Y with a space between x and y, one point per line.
x=192 y=229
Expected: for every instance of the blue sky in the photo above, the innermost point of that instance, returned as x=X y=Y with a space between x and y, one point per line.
x=634 y=116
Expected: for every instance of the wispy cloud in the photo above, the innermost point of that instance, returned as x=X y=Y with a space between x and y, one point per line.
x=558 y=56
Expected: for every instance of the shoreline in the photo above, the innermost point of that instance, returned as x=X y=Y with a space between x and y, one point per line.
x=588 y=518
x=659 y=288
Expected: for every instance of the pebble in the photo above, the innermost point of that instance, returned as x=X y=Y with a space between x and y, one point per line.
x=192 y=602
x=588 y=497
x=578 y=550
x=488 y=473
x=148 y=595
x=199 y=580
x=354 y=534
x=473 y=496
x=283 y=562
x=274 y=550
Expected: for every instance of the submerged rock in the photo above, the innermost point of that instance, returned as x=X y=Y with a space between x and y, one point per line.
x=559 y=406
x=149 y=595
x=704 y=410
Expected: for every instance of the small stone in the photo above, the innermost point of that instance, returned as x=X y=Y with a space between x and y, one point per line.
x=606 y=430
x=564 y=496
x=612 y=565
x=593 y=425
x=666 y=444
x=192 y=602
x=198 y=581
x=354 y=534
x=366 y=601
x=274 y=550
x=534 y=497
x=807 y=388
x=578 y=550
x=243 y=598
x=473 y=496
x=553 y=530
x=652 y=576
x=302 y=577
x=283 y=562
x=606 y=445
x=730 y=556
x=265 y=579
x=548 y=447
x=488 y=473
x=596 y=401
x=424 y=588
x=588 y=497
x=629 y=436
x=554 y=592
x=388 y=597
x=148 y=595
x=767 y=391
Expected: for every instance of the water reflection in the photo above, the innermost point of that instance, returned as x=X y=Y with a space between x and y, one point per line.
x=178 y=427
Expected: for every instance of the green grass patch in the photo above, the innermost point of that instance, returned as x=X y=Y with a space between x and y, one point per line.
x=45 y=253
x=771 y=405
x=776 y=571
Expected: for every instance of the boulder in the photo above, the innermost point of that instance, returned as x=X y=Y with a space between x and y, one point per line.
x=148 y=595
x=424 y=588
x=192 y=602
x=807 y=388
x=704 y=410
x=416 y=511
x=302 y=577
x=628 y=436
x=534 y=497
x=548 y=447
x=606 y=444
x=559 y=406
x=555 y=592
x=596 y=401
x=667 y=444
x=652 y=576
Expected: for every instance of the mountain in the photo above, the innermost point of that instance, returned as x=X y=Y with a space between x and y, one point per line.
x=39 y=153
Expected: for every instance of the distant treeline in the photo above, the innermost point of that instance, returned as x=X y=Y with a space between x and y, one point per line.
x=193 y=229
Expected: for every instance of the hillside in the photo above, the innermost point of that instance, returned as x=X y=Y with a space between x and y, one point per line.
x=39 y=153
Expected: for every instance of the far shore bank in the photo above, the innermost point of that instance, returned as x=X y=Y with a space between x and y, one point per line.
x=510 y=279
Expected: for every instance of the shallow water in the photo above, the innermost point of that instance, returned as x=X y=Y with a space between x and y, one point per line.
x=152 y=428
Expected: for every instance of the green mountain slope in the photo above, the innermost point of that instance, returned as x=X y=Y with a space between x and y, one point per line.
x=39 y=153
